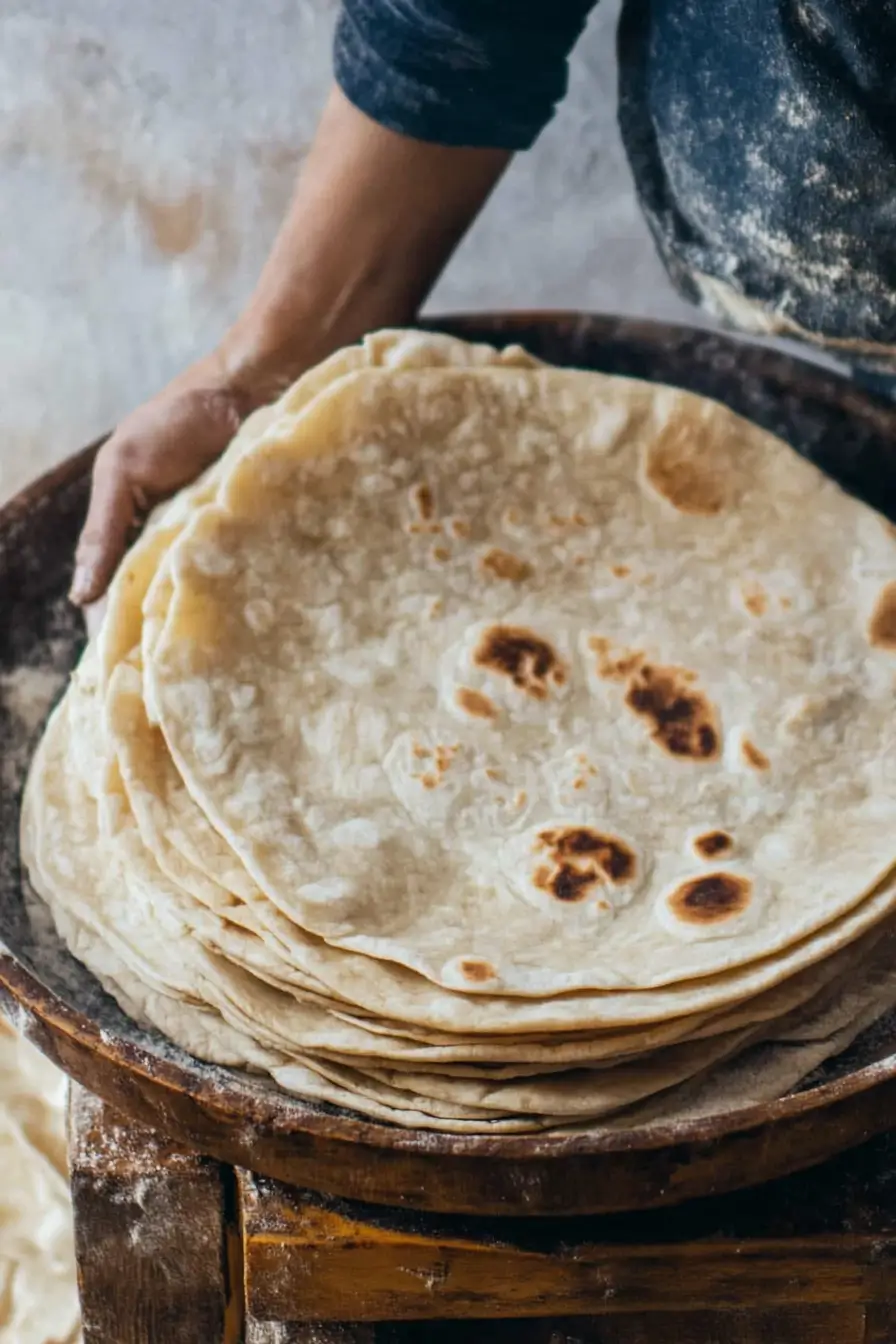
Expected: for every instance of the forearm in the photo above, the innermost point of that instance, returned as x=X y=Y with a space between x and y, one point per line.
x=438 y=95
x=374 y=218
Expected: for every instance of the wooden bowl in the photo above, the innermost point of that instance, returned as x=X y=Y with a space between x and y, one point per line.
x=246 y=1121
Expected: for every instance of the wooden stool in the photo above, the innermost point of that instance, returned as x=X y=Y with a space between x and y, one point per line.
x=174 y=1248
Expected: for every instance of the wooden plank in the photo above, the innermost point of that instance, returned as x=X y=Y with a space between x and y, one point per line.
x=307 y=1259
x=150 y=1234
x=802 y=1325
x=853 y=1194
x=880 y=1322
x=789 y=1325
x=272 y=1332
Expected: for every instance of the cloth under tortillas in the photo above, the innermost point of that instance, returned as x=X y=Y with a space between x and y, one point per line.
x=487 y=745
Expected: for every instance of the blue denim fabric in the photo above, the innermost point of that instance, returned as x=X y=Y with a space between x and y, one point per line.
x=761 y=134
x=458 y=72
x=881 y=384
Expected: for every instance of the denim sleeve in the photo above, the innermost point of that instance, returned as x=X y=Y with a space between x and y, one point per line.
x=458 y=72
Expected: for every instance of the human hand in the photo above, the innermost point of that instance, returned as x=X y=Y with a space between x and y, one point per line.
x=373 y=220
x=163 y=445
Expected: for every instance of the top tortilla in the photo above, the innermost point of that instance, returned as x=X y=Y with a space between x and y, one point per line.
x=536 y=681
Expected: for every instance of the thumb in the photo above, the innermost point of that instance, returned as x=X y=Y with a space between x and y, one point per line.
x=110 y=516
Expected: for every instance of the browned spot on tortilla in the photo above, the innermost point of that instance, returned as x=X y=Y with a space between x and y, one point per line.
x=614 y=663
x=756 y=759
x=614 y=856
x=422 y=501
x=564 y=520
x=529 y=661
x=683 y=721
x=711 y=899
x=502 y=565
x=582 y=860
x=786 y=603
x=476 y=704
x=681 y=469
x=713 y=843
x=755 y=598
x=441 y=553
x=621 y=571
x=882 y=626
x=476 y=970
x=460 y=527
x=444 y=756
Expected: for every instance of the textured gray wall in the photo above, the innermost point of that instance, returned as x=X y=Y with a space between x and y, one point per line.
x=147 y=151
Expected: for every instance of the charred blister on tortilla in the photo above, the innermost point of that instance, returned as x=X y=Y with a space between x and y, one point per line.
x=529 y=661
x=712 y=844
x=681 y=718
x=882 y=626
x=582 y=859
x=711 y=899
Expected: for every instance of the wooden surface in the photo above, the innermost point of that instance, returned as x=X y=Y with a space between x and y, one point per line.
x=151 y=1234
x=807 y=1261
x=825 y=1239
x=245 y=1122
x=802 y=1325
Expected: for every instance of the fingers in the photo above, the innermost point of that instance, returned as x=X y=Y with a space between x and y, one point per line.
x=110 y=516
x=160 y=447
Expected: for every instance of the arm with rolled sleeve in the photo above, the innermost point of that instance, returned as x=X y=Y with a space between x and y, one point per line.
x=458 y=72
x=432 y=98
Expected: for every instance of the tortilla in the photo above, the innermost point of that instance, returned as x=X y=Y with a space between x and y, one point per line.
x=375 y=729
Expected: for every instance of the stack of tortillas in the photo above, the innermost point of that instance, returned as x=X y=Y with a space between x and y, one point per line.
x=484 y=746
